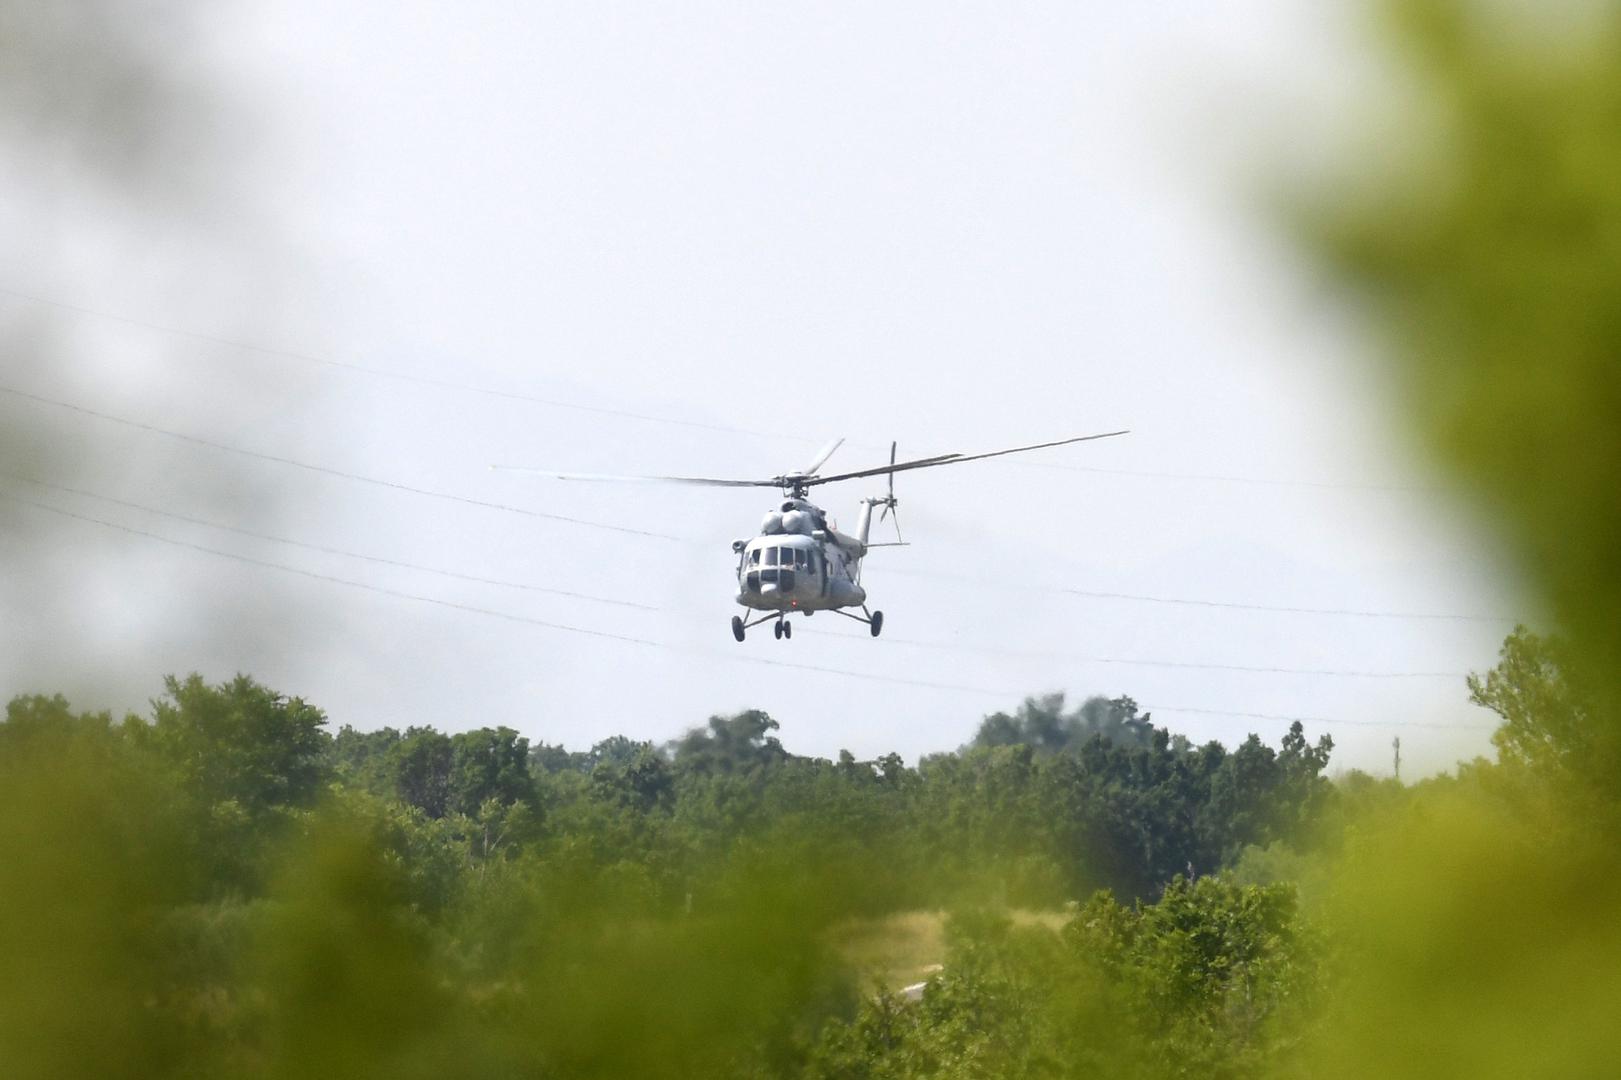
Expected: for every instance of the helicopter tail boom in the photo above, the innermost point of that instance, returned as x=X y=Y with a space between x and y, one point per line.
x=864 y=524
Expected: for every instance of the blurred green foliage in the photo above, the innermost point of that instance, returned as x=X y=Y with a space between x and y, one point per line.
x=232 y=891
x=1478 y=920
x=1214 y=980
x=223 y=889
x=1488 y=254
x=644 y=911
x=92 y=857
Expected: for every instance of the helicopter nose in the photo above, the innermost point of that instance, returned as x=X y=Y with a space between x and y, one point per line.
x=772 y=579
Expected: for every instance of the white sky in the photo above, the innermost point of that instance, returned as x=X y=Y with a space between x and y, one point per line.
x=959 y=226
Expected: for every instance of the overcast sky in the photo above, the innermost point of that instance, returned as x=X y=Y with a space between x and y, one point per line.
x=707 y=238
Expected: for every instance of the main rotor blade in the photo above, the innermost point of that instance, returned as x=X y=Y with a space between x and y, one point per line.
x=939 y=459
x=821 y=457
x=701 y=481
x=954 y=459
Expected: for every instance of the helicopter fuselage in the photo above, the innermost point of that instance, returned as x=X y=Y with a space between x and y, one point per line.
x=799 y=562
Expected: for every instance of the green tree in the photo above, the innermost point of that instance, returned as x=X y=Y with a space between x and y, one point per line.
x=421 y=763
x=638 y=778
x=1042 y=724
x=1302 y=789
x=363 y=759
x=489 y=763
x=31 y=719
x=729 y=745
x=95 y=854
x=240 y=742
x=1546 y=705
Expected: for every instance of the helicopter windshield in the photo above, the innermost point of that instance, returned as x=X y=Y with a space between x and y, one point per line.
x=779 y=563
x=771 y=556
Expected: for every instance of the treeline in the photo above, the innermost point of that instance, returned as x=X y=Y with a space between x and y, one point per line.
x=1035 y=817
x=200 y=854
x=1316 y=954
x=240 y=893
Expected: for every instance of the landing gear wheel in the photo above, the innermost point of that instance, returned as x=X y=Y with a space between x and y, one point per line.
x=787 y=629
x=877 y=623
x=737 y=628
x=776 y=628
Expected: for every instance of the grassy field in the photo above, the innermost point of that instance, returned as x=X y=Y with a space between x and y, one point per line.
x=907 y=947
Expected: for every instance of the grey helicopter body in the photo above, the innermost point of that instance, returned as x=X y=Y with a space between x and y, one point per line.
x=799 y=563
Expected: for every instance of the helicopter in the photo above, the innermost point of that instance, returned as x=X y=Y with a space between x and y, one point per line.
x=799 y=562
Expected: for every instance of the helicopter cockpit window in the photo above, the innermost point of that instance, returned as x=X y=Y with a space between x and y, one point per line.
x=754 y=557
x=771 y=556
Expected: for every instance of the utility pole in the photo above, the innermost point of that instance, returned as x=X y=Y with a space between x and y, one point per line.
x=1397 y=744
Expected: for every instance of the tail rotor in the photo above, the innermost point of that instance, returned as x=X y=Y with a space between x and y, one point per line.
x=890 y=503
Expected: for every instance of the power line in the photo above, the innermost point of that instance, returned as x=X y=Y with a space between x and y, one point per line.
x=1192 y=602
x=991 y=650
x=1324 y=672
x=362 y=369
x=326 y=470
x=327 y=550
x=1230 y=479
x=327 y=577
x=509 y=617
x=511 y=395
x=469 y=607
x=1092 y=594
x=1005 y=694
x=745 y=659
x=1350 y=612
x=1319 y=719
x=508 y=508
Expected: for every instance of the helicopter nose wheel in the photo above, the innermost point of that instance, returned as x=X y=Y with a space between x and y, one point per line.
x=783 y=629
x=877 y=623
x=737 y=628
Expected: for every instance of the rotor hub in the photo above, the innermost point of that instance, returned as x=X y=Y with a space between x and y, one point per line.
x=795 y=485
